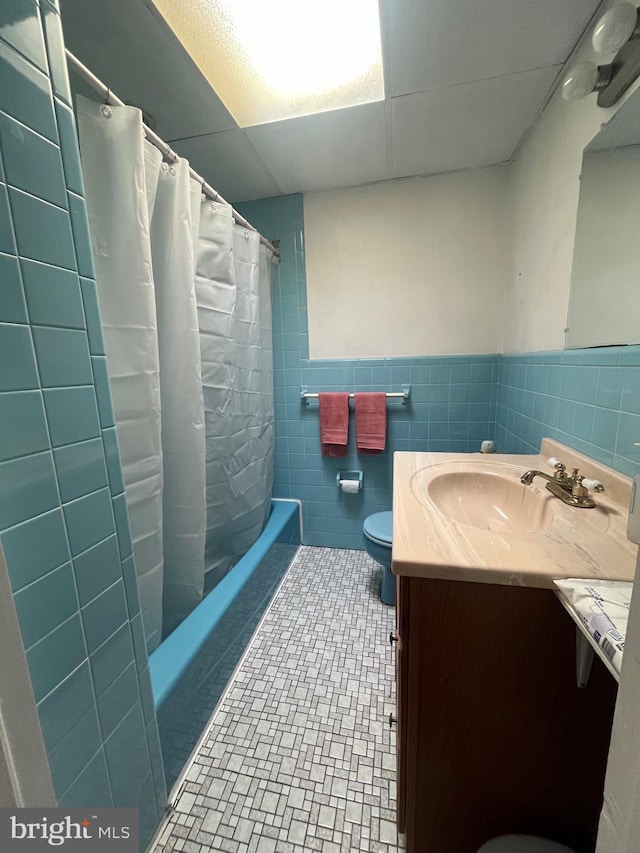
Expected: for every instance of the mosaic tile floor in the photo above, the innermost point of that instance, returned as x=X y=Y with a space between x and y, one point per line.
x=300 y=756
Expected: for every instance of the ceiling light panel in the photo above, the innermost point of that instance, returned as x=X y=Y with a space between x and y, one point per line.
x=280 y=59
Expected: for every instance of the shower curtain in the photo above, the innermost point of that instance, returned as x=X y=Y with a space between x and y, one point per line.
x=234 y=312
x=185 y=303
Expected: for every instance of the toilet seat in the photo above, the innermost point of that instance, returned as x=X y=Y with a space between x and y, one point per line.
x=523 y=844
x=379 y=528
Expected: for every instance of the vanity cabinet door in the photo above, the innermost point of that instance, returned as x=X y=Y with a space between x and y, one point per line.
x=402 y=658
x=495 y=735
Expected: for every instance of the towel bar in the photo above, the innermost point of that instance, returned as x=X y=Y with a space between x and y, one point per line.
x=405 y=394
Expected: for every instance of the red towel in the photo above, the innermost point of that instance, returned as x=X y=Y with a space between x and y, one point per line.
x=334 y=423
x=371 y=422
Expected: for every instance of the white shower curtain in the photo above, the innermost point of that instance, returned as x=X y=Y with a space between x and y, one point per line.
x=186 y=310
x=237 y=378
x=119 y=194
x=183 y=437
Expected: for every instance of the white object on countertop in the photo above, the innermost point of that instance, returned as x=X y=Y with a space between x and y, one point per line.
x=602 y=608
x=487 y=447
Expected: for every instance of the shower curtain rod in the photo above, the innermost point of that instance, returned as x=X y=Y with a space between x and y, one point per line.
x=109 y=98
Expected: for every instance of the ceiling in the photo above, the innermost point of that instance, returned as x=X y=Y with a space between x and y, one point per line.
x=464 y=80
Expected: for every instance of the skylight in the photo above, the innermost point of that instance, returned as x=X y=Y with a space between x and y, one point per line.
x=269 y=60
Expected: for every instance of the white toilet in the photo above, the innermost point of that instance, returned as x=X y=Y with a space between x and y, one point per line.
x=523 y=844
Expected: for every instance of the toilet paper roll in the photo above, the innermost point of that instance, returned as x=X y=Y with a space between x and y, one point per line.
x=349 y=486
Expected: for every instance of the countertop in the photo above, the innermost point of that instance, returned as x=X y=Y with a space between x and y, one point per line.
x=575 y=543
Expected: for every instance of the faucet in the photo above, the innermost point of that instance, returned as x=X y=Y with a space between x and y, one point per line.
x=569 y=489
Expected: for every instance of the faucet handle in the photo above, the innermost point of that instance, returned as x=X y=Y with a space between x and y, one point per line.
x=559 y=467
x=593 y=485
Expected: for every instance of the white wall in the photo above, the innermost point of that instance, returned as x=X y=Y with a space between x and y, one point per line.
x=408 y=267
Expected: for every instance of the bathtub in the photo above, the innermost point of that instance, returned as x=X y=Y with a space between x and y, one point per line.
x=190 y=670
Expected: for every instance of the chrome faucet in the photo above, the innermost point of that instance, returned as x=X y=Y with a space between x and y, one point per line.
x=569 y=489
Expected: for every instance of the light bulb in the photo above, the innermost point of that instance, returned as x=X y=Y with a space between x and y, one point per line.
x=615 y=28
x=580 y=81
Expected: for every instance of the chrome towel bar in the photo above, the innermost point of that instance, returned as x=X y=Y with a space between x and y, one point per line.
x=405 y=394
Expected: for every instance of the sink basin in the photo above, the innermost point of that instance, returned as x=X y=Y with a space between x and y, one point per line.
x=467 y=516
x=491 y=501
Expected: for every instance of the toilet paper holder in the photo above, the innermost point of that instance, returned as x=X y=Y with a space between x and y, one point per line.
x=351 y=479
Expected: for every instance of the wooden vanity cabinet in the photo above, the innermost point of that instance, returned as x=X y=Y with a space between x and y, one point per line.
x=494 y=736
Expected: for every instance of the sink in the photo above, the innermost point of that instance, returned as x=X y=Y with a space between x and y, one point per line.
x=491 y=501
x=467 y=516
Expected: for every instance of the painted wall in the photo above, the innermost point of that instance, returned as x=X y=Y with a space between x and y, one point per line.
x=452 y=407
x=408 y=267
x=63 y=518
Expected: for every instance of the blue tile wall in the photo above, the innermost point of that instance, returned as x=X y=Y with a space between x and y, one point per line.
x=63 y=520
x=452 y=406
x=588 y=399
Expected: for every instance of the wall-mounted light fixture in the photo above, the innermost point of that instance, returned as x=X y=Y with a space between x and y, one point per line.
x=618 y=32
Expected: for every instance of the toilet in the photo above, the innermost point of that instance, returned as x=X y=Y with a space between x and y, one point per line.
x=376 y=534
x=523 y=844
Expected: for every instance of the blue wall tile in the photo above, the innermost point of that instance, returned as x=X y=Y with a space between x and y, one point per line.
x=54 y=657
x=81 y=468
x=27 y=488
x=91 y=787
x=111 y=659
x=43 y=231
x=118 y=699
x=7 y=241
x=76 y=749
x=64 y=706
x=127 y=756
x=26 y=93
x=63 y=356
x=31 y=162
x=34 y=548
x=55 y=52
x=12 y=304
x=53 y=295
x=23 y=427
x=80 y=225
x=122 y=526
x=97 y=569
x=20 y=27
x=18 y=364
x=103 y=391
x=69 y=147
x=112 y=451
x=104 y=615
x=44 y=604
x=89 y=520
x=72 y=414
x=92 y=313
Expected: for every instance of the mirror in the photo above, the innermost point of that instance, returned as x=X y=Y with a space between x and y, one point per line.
x=604 y=303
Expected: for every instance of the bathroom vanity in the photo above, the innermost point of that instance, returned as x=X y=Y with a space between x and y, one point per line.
x=493 y=734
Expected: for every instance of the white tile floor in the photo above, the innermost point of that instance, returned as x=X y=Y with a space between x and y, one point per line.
x=300 y=755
